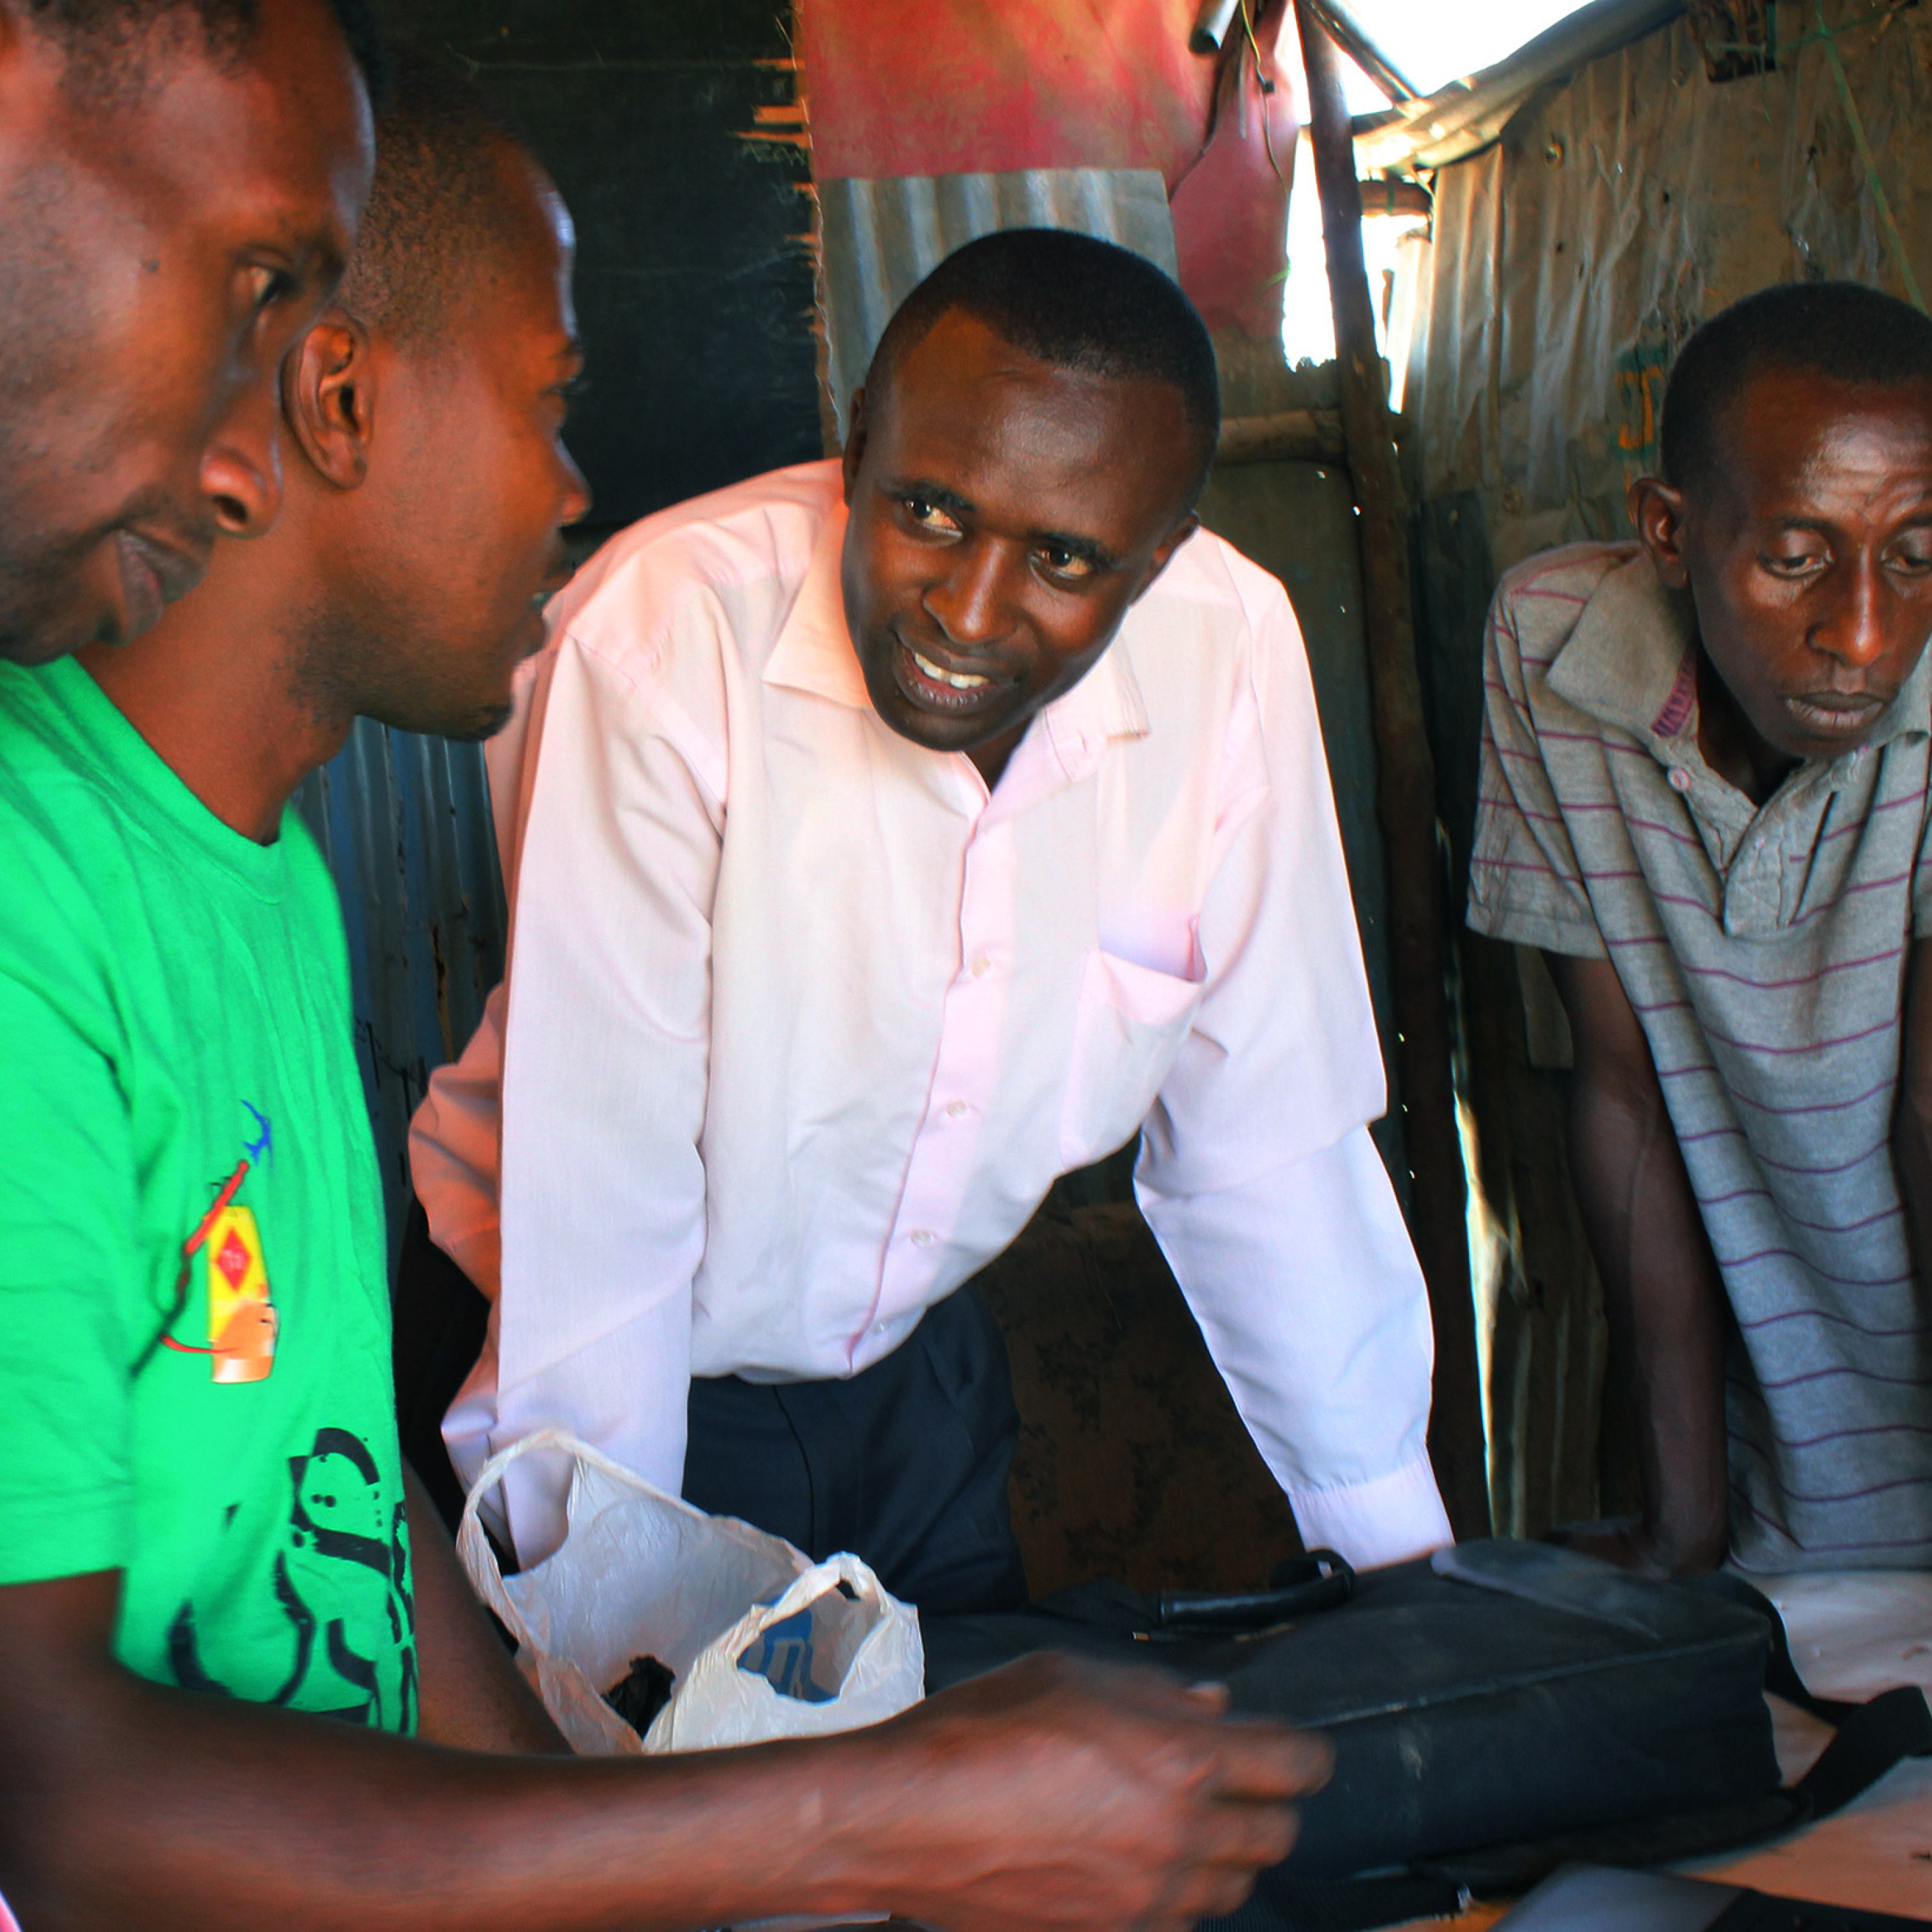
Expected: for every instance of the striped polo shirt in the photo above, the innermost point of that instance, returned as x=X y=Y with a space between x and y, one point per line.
x=1764 y=949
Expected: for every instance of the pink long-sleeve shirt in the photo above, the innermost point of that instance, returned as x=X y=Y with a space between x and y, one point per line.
x=801 y=1022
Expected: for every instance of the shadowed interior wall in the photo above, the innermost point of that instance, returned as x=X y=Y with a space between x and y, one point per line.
x=671 y=127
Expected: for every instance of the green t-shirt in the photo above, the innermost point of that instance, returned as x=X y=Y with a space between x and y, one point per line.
x=194 y=1330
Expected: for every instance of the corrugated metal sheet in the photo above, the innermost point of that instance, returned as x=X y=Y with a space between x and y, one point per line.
x=881 y=239
x=1570 y=262
x=404 y=822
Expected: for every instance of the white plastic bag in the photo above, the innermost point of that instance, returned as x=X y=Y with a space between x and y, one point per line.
x=762 y=1642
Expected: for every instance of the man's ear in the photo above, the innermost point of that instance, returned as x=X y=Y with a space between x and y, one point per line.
x=1657 y=508
x=1169 y=544
x=329 y=398
x=855 y=444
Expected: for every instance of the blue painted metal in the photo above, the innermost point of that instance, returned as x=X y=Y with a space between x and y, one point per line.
x=404 y=822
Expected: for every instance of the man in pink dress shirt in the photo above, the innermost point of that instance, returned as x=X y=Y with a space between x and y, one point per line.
x=884 y=843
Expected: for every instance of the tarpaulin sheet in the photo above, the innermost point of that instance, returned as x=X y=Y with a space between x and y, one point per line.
x=1570 y=262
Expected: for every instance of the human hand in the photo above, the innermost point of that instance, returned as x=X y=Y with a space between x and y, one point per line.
x=1060 y=1795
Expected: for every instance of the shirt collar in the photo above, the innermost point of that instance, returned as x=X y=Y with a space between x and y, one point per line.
x=1631 y=662
x=814 y=652
x=1105 y=705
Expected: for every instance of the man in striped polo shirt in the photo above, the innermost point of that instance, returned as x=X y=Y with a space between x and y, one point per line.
x=1704 y=797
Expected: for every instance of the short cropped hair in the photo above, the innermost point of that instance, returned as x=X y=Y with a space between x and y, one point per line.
x=1076 y=302
x=1841 y=330
x=438 y=214
x=99 y=28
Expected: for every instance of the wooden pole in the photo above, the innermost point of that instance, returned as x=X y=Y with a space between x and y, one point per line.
x=1404 y=804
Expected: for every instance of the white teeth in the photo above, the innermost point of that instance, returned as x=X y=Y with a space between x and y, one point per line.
x=960 y=680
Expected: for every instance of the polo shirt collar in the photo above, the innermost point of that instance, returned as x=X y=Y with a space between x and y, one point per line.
x=813 y=653
x=1631 y=662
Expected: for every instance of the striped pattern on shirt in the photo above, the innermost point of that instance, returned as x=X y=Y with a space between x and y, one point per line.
x=1764 y=950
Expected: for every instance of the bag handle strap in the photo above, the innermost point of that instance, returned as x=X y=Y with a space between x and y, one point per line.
x=1895 y=1725
x=1872 y=1737
x=1320 y=1580
x=473 y=1547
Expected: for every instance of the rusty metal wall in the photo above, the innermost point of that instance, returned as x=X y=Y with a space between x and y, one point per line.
x=1569 y=262
x=404 y=822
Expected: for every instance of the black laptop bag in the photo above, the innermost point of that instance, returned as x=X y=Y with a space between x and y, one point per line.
x=1495 y=1710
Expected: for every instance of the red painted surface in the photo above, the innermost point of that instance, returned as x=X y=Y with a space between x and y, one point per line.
x=938 y=87
x=934 y=87
x=1230 y=209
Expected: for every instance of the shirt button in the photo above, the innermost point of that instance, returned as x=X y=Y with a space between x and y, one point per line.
x=957 y=1110
x=1680 y=779
x=923 y=1237
x=878 y=1327
x=981 y=967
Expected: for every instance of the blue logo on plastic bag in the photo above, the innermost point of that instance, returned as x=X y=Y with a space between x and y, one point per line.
x=783 y=1656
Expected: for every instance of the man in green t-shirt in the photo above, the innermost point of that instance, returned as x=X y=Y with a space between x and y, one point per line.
x=203 y=1513
x=192 y=1295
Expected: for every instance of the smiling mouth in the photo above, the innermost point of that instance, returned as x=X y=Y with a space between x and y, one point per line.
x=931 y=685
x=960 y=680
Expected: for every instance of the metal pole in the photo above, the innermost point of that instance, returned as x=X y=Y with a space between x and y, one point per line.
x=1404 y=804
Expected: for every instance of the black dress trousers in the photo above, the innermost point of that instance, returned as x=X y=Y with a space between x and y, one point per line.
x=905 y=1464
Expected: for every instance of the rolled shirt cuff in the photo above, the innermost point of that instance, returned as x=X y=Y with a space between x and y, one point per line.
x=1387 y=1519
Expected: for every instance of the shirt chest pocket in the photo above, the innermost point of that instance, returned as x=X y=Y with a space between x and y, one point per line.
x=1128 y=1026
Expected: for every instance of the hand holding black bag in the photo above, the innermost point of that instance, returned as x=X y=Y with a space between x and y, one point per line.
x=1496 y=1710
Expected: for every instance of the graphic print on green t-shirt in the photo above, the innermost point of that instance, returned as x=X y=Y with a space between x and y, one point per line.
x=337 y=1513
x=194 y=1343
